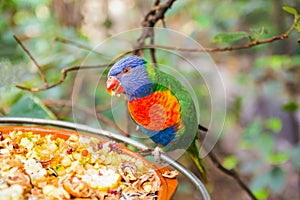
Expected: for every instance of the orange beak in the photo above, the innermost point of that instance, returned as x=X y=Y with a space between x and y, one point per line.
x=114 y=86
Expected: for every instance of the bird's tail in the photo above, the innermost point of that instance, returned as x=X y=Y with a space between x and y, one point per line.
x=194 y=154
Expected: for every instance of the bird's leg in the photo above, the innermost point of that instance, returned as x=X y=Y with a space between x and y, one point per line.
x=146 y=152
x=156 y=153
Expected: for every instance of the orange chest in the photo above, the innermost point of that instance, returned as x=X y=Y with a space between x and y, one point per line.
x=157 y=111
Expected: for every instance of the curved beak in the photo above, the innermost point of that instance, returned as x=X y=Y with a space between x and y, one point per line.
x=114 y=86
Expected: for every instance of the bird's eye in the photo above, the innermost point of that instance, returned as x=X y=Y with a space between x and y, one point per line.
x=126 y=70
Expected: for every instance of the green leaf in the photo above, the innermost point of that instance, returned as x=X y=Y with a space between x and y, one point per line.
x=297 y=26
x=274 y=124
x=251 y=134
x=30 y=106
x=277 y=180
x=278 y=158
x=230 y=162
x=204 y=21
x=273 y=179
x=260 y=181
x=291 y=106
x=264 y=144
x=229 y=37
x=256 y=33
x=261 y=194
x=253 y=129
x=277 y=62
x=290 y=10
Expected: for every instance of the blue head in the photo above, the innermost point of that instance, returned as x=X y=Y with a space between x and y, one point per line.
x=129 y=75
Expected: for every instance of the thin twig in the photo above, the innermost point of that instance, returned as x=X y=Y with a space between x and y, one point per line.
x=229 y=48
x=296 y=19
x=232 y=173
x=151 y=34
x=76 y=44
x=152 y=51
x=86 y=110
x=64 y=73
x=34 y=61
x=163 y=21
x=219 y=49
x=156 y=13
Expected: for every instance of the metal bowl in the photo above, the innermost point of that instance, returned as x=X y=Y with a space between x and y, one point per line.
x=168 y=185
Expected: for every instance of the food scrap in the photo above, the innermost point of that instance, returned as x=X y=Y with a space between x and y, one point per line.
x=33 y=166
x=170 y=174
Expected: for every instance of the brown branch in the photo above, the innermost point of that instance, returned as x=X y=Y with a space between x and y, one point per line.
x=86 y=110
x=34 y=61
x=163 y=21
x=232 y=173
x=64 y=73
x=76 y=44
x=152 y=51
x=156 y=13
x=220 y=49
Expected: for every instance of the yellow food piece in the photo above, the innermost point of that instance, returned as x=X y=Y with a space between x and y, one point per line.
x=102 y=179
x=61 y=169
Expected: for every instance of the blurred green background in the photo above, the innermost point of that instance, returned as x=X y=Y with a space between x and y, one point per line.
x=260 y=138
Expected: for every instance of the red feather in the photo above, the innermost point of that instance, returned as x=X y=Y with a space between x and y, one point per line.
x=156 y=111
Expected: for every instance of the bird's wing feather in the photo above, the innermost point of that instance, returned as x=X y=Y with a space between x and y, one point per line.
x=164 y=81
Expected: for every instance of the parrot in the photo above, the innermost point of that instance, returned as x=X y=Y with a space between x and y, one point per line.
x=159 y=104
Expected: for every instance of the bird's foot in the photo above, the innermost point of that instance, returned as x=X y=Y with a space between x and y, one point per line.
x=156 y=153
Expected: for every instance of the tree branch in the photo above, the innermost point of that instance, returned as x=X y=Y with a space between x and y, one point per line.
x=152 y=51
x=156 y=13
x=220 y=49
x=34 y=61
x=76 y=44
x=232 y=173
x=64 y=73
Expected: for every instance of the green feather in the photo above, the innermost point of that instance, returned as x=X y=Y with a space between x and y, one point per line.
x=164 y=81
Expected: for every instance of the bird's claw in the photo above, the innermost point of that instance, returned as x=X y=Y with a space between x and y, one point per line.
x=156 y=153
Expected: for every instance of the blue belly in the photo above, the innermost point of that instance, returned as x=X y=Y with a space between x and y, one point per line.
x=163 y=137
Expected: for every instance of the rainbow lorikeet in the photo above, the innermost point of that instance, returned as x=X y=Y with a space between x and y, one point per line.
x=159 y=104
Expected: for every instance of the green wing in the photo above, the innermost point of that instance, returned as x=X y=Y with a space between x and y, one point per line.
x=164 y=81
x=188 y=139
